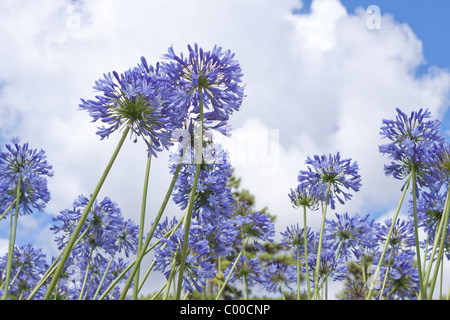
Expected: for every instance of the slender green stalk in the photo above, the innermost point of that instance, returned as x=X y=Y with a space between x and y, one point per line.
x=298 y=273
x=141 y=224
x=232 y=269
x=436 y=239
x=319 y=250
x=199 y=160
x=388 y=239
x=169 y=280
x=52 y=267
x=245 y=287
x=158 y=292
x=416 y=232
x=7 y=209
x=141 y=254
x=386 y=273
x=83 y=217
x=441 y=250
x=103 y=278
x=12 y=240
x=308 y=285
x=88 y=267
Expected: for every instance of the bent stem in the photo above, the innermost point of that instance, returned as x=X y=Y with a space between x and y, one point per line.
x=7 y=209
x=377 y=271
x=83 y=217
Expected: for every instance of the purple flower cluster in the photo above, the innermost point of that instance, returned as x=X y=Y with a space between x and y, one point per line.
x=30 y=166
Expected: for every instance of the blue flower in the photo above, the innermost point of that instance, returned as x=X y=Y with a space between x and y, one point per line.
x=348 y=234
x=104 y=231
x=213 y=197
x=136 y=99
x=32 y=168
x=198 y=264
x=308 y=195
x=221 y=234
x=412 y=139
x=278 y=276
x=293 y=238
x=248 y=268
x=340 y=175
x=212 y=76
x=28 y=267
x=256 y=227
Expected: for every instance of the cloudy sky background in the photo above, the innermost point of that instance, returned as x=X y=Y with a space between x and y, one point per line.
x=319 y=79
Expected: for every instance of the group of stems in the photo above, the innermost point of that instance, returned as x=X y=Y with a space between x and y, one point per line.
x=57 y=267
x=439 y=241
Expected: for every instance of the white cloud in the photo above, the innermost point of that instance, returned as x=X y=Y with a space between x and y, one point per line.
x=323 y=80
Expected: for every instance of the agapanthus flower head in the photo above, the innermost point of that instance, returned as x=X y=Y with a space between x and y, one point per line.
x=402 y=238
x=355 y=290
x=213 y=197
x=18 y=161
x=293 y=238
x=439 y=163
x=403 y=278
x=221 y=234
x=256 y=227
x=248 y=268
x=340 y=174
x=430 y=207
x=105 y=229
x=213 y=77
x=308 y=195
x=279 y=275
x=28 y=267
x=412 y=139
x=347 y=234
x=137 y=99
x=198 y=264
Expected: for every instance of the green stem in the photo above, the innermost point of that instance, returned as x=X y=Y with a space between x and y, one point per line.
x=88 y=267
x=416 y=231
x=7 y=209
x=83 y=217
x=441 y=250
x=386 y=273
x=141 y=225
x=141 y=254
x=12 y=239
x=306 y=253
x=231 y=270
x=319 y=250
x=103 y=278
x=377 y=271
x=199 y=160
x=436 y=239
x=52 y=268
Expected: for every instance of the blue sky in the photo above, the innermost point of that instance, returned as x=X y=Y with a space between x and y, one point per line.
x=429 y=21
x=297 y=68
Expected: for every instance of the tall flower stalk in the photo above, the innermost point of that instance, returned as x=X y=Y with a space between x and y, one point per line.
x=337 y=176
x=412 y=139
